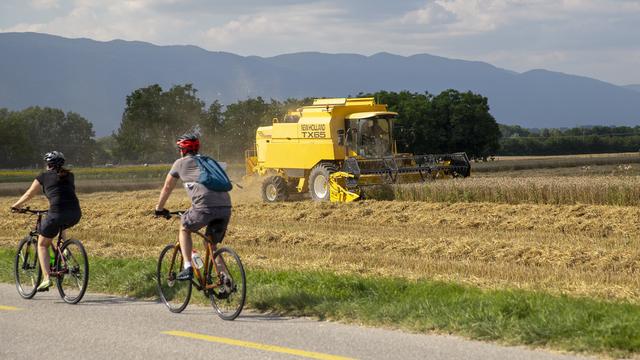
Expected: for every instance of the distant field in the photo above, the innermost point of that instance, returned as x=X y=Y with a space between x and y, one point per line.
x=133 y=172
x=559 y=190
x=563 y=157
x=514 y=163
x=119 y=172
x=88 y=180
x=601 y=179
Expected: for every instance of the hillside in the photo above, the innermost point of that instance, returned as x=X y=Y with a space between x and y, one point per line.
x=635 y=87
x=93 y=78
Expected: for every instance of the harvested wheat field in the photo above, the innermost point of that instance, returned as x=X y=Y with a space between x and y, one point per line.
x=567 y=190
x=584 y=250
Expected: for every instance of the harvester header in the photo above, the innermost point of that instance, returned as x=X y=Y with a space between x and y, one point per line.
x=335 y=147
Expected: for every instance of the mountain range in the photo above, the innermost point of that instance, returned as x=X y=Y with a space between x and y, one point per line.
x=635 y=87
x=93 y=79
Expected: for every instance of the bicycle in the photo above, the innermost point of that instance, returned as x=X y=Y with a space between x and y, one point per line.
x=70 y=267
x=220 y=277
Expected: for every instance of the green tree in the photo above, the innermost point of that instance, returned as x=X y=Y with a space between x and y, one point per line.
x=449 y=122
x=15 y=150
x=212 y=130
x=52 y=129
x=471 y=127
x=153 y=119
x=241 y=120
x=106 y=146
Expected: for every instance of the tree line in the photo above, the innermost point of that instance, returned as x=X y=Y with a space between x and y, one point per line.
x=25 y=136
x=153 y=118
x=580 y=140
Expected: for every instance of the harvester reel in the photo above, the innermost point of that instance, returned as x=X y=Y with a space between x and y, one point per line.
x=274 y=189
x=319 y=181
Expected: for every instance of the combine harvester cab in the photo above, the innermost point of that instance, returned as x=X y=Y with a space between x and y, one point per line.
x=334 y=148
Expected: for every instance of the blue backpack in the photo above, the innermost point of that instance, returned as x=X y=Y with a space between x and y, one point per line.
x=212 y=176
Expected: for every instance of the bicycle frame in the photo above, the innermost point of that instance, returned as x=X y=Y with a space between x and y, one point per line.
x=201 y=276
x=56 y=247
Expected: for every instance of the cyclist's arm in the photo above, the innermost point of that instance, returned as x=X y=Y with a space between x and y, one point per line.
x=169 y=183
x=33 y=190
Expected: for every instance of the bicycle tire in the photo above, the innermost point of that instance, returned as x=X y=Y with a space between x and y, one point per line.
x=78 y=271
x=31 y=268
x=229 y=299
x=167 y=290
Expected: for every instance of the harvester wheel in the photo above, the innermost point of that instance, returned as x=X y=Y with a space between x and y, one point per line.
x=319 y=181
x=274 y=189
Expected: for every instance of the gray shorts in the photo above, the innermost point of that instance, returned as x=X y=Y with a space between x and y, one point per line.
x=216 y=220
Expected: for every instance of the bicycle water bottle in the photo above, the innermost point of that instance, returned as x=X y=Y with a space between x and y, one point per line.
x=52 y=257
x=197 y=260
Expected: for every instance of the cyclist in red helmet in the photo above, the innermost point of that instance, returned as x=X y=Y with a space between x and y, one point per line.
x=57 y=184
x=206 y=205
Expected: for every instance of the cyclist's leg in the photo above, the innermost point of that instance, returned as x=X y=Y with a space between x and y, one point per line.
x=43 y=255
x=192 y=220
x=217 y=228
x=186 y=245
x=49 y=228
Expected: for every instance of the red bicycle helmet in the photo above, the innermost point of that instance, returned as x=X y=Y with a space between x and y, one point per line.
x=188 y=143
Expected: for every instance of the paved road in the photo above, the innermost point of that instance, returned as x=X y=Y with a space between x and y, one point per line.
x=108 y=327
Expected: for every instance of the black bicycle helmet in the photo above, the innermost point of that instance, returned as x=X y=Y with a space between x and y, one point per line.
x=54 y=159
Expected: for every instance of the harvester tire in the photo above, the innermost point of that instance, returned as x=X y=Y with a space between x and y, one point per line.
x=274 y=189
x=319 y=181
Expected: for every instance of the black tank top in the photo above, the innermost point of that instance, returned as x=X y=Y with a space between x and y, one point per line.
x=61 y=192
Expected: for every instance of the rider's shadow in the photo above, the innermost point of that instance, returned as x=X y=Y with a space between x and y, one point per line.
x=197 y=311
x=257 y=317
x=114 y=300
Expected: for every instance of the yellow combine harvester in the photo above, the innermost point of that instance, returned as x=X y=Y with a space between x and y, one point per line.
x=335 y=147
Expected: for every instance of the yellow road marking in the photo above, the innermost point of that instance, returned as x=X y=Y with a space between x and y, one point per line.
x=258 y=346
x=9 y=308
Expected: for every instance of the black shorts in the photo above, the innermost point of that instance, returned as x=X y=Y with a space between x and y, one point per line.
x=53 y=223
x=215 y=219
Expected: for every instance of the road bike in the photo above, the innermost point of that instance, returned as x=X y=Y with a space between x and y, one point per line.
x=70 y=267
x=220 y=276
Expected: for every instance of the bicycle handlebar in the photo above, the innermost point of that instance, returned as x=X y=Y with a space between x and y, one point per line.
x=29 y=211
x=169 y=214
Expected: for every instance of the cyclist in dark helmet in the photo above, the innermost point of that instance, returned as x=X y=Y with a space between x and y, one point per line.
x=206 y=205
x=57 y=184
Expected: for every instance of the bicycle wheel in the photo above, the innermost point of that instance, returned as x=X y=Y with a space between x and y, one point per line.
x=228 y=298
x=72 y=284
x=26 y=267
x=173 y=293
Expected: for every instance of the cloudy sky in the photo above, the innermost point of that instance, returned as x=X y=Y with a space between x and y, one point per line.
x=596 y=38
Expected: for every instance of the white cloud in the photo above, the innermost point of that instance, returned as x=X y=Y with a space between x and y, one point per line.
x=431 y=14
x=44 y=4
x=100 y=20
x=468 y=17
x=293 y=23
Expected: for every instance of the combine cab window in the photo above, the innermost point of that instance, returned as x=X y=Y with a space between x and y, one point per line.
x=371 y=137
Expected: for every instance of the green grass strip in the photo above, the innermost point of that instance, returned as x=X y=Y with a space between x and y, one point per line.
x=507 y=316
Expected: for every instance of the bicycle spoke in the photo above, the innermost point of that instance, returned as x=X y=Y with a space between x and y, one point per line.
x=174 y=293
x=27 y=275
x=228 y=298
x=74 y=272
